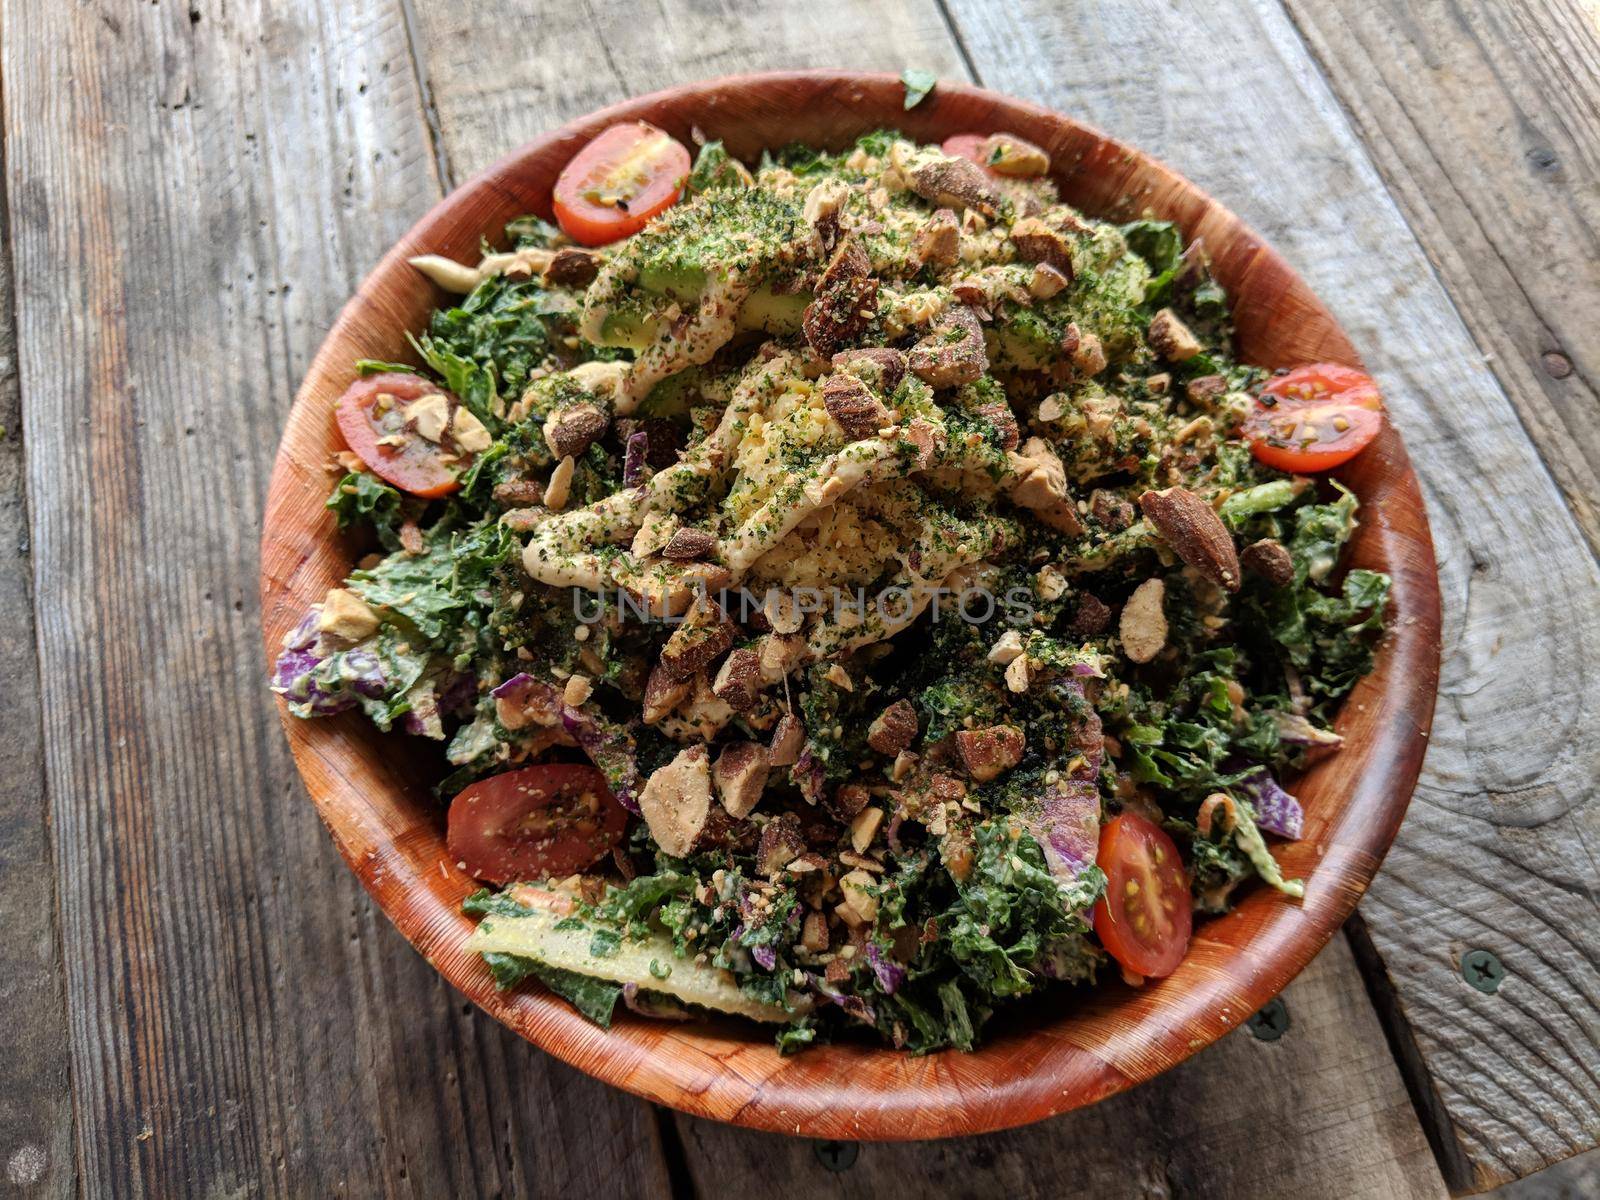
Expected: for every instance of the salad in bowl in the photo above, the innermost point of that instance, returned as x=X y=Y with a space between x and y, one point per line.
x=852 y=591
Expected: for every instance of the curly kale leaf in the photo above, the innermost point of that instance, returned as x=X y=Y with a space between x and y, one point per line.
x=1006 y=929
x=1010 y=908
x=486 y=347
x=433 y=591
x=362 y=496
x=635 y=903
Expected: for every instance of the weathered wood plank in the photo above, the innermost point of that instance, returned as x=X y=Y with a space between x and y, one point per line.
x=36 y=1126
x=1484 y=120
x=500 y=72
x=483 y=108
x=194 y=191
x=1500 y=848
x=1318 y=1112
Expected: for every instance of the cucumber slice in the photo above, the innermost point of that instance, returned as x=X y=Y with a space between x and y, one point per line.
x=566 y=944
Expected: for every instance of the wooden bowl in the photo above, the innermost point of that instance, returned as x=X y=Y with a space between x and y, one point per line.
x=1069 y=1049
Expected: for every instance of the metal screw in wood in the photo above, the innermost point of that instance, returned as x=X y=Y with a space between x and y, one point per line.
x=837 y=1156
x=1483 y=970
x=1272 y=1022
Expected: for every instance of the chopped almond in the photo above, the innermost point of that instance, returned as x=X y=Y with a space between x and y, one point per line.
x=990 y=752
x=740 y=776
x=676 y=801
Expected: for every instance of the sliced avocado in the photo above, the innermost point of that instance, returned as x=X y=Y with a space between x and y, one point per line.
x=673 y=395
x=773 y=312
x=569 y=944
x=631 y=324
x=671 y=279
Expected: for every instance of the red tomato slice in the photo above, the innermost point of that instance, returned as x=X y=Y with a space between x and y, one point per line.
x=1314 y=418
x=968 y=145
x=371 y=416
x=1145 y=917
x=618 y=182
x=538 y=822
x=1325 y=381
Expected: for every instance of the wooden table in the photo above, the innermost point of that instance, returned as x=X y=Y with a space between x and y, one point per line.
x=199 y=1000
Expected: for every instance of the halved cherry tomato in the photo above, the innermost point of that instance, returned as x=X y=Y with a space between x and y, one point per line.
x=372 y=418
x=968 y=145
x=1314 y=418
x=539 y=822
x=1145 y=917
x=618 y=182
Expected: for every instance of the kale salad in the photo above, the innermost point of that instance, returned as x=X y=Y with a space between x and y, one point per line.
x=852 y=591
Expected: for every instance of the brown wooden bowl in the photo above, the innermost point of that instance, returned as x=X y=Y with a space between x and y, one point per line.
x=1069 y=1050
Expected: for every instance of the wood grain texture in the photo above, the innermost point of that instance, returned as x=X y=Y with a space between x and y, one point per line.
x=1500 y=848
x=1226 y=1123
x=1032 y=1066
x=193 y=192
x=585 y=56
x=1484 y=120
x=36 y=1130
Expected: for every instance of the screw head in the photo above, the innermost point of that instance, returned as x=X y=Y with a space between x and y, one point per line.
x=1272 y=1022
x=1483 y=970
x=836 y=1156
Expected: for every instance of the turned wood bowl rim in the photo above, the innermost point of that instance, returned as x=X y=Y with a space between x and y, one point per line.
x=1037 y=1064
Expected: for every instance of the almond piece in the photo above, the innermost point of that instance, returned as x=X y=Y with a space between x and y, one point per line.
x=1006 y=649
x=1046 y=282
x=864 y=828
x=704 y=636
x=860 y=902
x=1111 y=510
x=851 y=403
x=663 y=694
x=956 y=183
x=1196 y=534
x=559 y=489
x=1171 y=338
x=346 y=615
x=1205 y=390
x=1089 y=356
x=676 y=800
x=739 y=680
x=998 y=414
x=894 y=729
x=939 y=240
x=780 y=845
x=788 y=739
x=689 y=544
x=1091 y=618
x=571 y=267
x=1269 y=559
x=844 y=295
x=570 y=429
x=1037 y=242
x=1143 y=625
x=519 y=492
x=780 y=654
x=814 y=933
x=846 y=800
x=953 y=352
x=987 y=753
x=1007 y=154
x=1041 y=485
x=740 y=776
